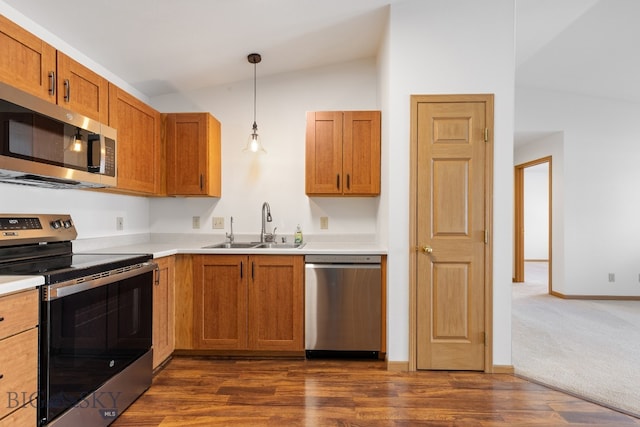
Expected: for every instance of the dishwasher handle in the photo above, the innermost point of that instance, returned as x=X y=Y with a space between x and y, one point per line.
x=342 y=266
x=354 y=259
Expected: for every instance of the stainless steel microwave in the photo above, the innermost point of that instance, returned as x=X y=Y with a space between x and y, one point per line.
x=45 y=145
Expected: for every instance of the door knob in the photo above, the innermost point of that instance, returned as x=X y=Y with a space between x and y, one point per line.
x=427 y=249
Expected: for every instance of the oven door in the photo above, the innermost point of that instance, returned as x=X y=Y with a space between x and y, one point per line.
x=91 y=331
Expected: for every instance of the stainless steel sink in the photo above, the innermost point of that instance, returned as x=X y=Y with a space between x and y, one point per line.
x=234 y=245
x=273 y=245
x=254 y=245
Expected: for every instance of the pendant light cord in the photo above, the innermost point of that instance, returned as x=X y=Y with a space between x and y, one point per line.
x=255 y=126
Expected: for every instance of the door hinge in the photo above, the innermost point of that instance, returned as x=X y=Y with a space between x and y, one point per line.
x=486 y=237
x=486 y=134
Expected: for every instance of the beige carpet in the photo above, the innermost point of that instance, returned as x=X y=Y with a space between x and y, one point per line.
x=588 y=348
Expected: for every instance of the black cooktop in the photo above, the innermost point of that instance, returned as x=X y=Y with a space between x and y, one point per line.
x=57 y=263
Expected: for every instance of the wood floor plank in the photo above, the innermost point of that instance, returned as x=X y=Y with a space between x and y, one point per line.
x=198 y=392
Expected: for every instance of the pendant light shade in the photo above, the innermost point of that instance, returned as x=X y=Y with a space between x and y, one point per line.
x=254 y=145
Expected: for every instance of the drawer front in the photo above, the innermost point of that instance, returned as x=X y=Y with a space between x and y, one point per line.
x=18 y=370
x=25 y=416
x=18 y=312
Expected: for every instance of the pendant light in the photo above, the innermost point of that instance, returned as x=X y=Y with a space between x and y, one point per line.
x=76 y=142
x=254 y=144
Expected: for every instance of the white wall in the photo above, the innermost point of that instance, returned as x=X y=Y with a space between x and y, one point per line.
x=536 y=212
x=277 y=177
x=449 y=47
x=601 y=158
x=94 y=213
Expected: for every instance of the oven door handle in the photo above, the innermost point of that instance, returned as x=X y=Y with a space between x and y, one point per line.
x=70 y=287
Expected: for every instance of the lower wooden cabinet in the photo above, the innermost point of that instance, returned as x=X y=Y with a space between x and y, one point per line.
x=163 y=310
x=25 y=416
x=19 y=358
x=248 y=302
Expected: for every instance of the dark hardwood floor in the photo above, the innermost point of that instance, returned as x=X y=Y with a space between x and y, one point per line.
x=207 y=392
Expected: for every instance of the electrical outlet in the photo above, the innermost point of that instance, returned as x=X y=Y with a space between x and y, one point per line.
x=119 y=223
x=195 y=222
x=324 y=222
x=218 y=222
x=612 y=277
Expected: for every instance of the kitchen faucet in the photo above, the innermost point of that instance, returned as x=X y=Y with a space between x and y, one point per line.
x=230 y=236
x=266 y=217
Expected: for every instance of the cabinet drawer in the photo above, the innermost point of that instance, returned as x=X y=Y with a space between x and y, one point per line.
x=25 y=416
x=18 y=312
x=18 y=370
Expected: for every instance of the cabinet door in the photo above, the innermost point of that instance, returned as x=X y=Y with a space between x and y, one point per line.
x=139 y=144
x=26 y=61
x=81 y=90
x=163 y=311
x=220 y=302
x=324 y=153
x=361 y=153
x=276 y=303
x=193 y=154
x=18 y=312
x=19 y=365
x=25 y=416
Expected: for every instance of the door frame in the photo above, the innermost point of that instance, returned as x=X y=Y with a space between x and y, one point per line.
x=518 y=222
x=413 y=218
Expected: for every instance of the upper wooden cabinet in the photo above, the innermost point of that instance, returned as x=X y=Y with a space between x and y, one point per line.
x=81 y=90
x=26 y=61
x=31 y=65
x=193 y=154
x=343 y=153
x=139 y=143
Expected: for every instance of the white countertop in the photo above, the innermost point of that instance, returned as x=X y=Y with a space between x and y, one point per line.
x=159 y=250
x=9 y=284
x=167 y=245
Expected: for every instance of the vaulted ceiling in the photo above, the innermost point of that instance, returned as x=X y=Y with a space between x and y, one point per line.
x=163 y=46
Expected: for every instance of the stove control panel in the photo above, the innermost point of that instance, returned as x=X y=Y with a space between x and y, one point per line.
x=20 y=224
x=16 y=229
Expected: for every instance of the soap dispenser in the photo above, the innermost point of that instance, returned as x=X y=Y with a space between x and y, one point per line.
x=298 y=236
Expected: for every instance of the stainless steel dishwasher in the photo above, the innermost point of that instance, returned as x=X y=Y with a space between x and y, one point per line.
x=342 y=305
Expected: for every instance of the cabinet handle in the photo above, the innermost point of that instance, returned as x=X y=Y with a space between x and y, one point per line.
x=252 y=270
x=241 y=269
x=52 y=83
x=67 y=90
x=201 y=182
x=338 y=181
x=348 y=182
x=157 y=274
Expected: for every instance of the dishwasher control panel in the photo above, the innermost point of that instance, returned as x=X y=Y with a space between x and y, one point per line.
x=342 y=259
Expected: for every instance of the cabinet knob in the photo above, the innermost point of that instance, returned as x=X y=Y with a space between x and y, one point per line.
x=1 y=318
